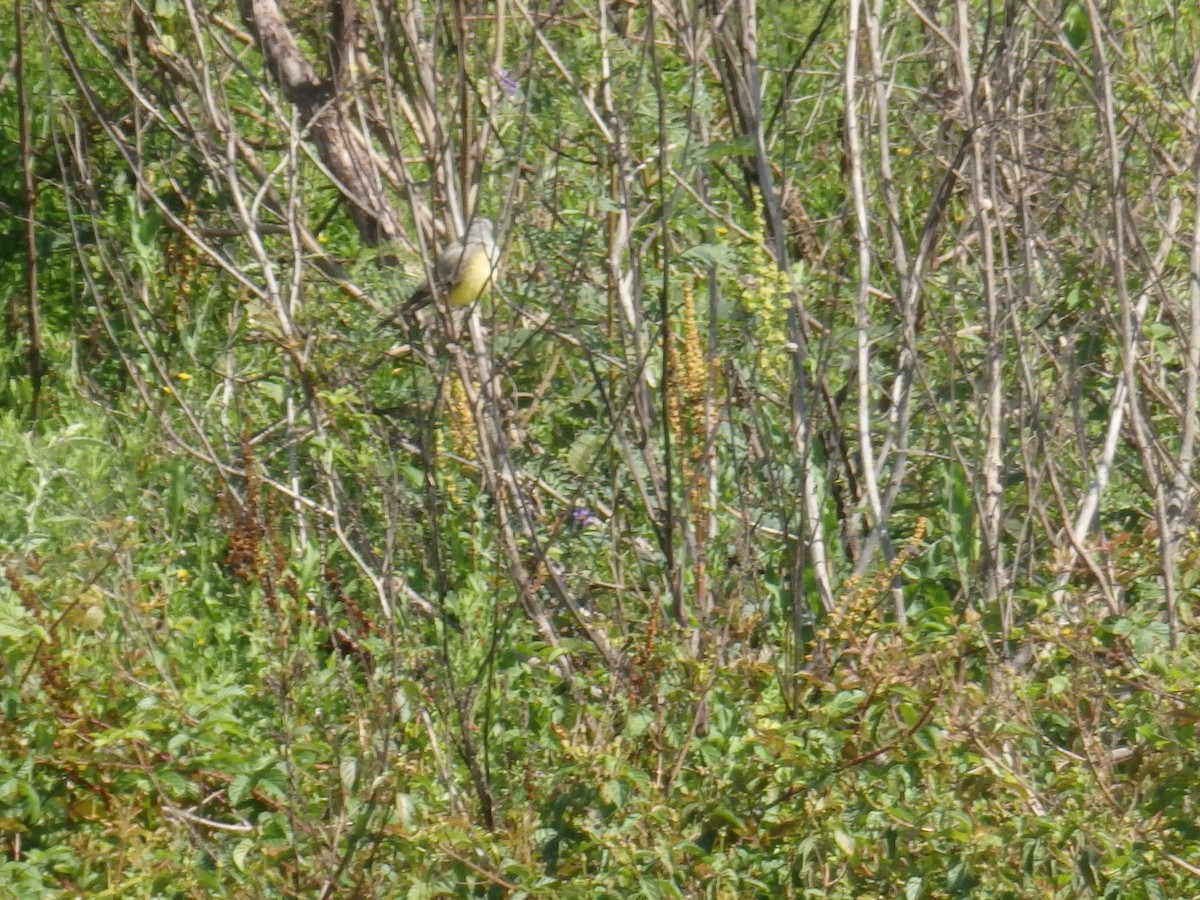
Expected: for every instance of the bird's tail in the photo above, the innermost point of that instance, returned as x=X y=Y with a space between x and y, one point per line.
x=420 y=298
x=403 y=316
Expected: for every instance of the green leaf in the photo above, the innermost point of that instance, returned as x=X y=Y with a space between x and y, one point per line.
x=239 y=788
x=845 y=843
x=719 y=255
x=240 y=852
x=638 y=722
x=348 y=773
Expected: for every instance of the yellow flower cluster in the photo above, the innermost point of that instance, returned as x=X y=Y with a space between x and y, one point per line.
x=859 y=608
x=690 y=419
x=766 y=297
x=460 y=422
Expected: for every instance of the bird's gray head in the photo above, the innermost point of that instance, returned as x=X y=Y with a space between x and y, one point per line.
x=480 y=232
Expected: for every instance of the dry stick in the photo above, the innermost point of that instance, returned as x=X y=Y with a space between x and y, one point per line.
x=501 y=476
x=744 y=95
x=584 y=96
x=341 y=149
x=29 y=200
x=1130 y=317
x=882 y=135
x=862 y=239
x=1179 y=511
x=177 y=69
x=120 y=143
x=999 y=152
x=490 y=428
x=909 y=275
x=474 y=144
x=993 y=460
x=503 y=482
x=906 y=373
x=708 y=461
x=465 y=113
x=209 y=456
x=335 y=493
x=187 y=815
x=293 y=299
x=1024 y=183
x=623 y=289
x=1077 y=535
x=368 y=206
x=416 y=104
x=991 y=511
x=283 y=303
x=671 y=380
x=159 y=368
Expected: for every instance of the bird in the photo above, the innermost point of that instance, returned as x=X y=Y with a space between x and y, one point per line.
x=464 y=271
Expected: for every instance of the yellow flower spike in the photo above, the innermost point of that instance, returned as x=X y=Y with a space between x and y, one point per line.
x=766 y=297
x=460 y=419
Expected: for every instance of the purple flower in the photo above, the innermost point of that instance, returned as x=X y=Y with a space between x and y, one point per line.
x=582 y=516
x=508 y=84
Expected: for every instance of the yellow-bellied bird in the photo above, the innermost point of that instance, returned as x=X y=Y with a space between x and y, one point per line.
x=463 y=272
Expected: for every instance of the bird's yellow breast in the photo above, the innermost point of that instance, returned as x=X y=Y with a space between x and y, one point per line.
x=473 y=277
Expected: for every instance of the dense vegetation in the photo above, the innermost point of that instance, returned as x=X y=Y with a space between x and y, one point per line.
x=809 y=510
